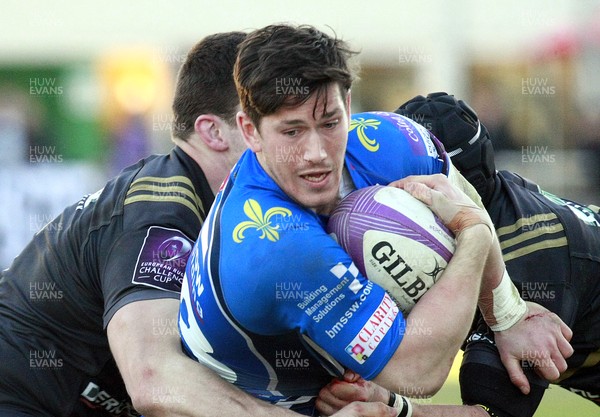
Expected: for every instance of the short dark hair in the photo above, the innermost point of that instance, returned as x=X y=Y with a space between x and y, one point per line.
x=205 y=82
x=283 y=65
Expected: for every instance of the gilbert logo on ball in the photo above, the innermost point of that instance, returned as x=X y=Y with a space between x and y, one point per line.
x=394 y=239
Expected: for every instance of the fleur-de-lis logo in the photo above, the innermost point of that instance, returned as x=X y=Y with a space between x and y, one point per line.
x=360 y=124
x=259 y=222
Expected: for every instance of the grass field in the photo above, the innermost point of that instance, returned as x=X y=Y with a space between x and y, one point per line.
x=557 y=402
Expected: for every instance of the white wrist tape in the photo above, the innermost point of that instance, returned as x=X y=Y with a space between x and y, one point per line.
x=403 y=405
x=509 y=307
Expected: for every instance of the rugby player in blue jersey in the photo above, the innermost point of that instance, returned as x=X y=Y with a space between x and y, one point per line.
x=230 y=318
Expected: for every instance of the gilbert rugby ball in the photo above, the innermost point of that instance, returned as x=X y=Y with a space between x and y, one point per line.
x=394 y=239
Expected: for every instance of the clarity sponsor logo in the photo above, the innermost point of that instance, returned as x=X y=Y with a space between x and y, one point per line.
x=375 y=329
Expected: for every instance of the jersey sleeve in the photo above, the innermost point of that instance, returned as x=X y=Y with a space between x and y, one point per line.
x=302 y=280
x=144 y=264
x=147 y=250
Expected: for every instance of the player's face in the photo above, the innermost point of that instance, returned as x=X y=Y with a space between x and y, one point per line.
x=302 y=148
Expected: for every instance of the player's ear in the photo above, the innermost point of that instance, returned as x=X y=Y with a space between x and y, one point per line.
x=208 y=127
x=249 y=131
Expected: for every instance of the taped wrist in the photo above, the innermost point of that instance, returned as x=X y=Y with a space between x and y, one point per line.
x=400 y=403
x=508 y=307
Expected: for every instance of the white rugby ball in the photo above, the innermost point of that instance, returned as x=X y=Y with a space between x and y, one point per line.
x=394 y=239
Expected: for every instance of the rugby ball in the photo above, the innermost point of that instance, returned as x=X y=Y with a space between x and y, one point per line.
x=394 y=239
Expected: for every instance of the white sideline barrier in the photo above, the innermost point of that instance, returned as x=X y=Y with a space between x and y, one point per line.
x=31 y=195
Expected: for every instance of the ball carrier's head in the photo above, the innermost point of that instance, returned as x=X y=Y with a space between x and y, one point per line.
x=465 y=138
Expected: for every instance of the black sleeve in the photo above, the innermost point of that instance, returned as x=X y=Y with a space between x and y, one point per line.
x=144 y=264
x=484 y=381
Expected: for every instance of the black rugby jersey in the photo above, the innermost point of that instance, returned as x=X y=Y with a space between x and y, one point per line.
x=127 y=242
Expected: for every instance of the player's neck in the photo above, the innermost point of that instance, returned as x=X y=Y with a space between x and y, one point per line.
x=214 y=165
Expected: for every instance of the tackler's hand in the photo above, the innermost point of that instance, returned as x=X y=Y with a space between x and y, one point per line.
x=539 y=340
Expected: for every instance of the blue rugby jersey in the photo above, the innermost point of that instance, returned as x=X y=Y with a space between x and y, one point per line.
x=285 y=290
x=273 y=303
